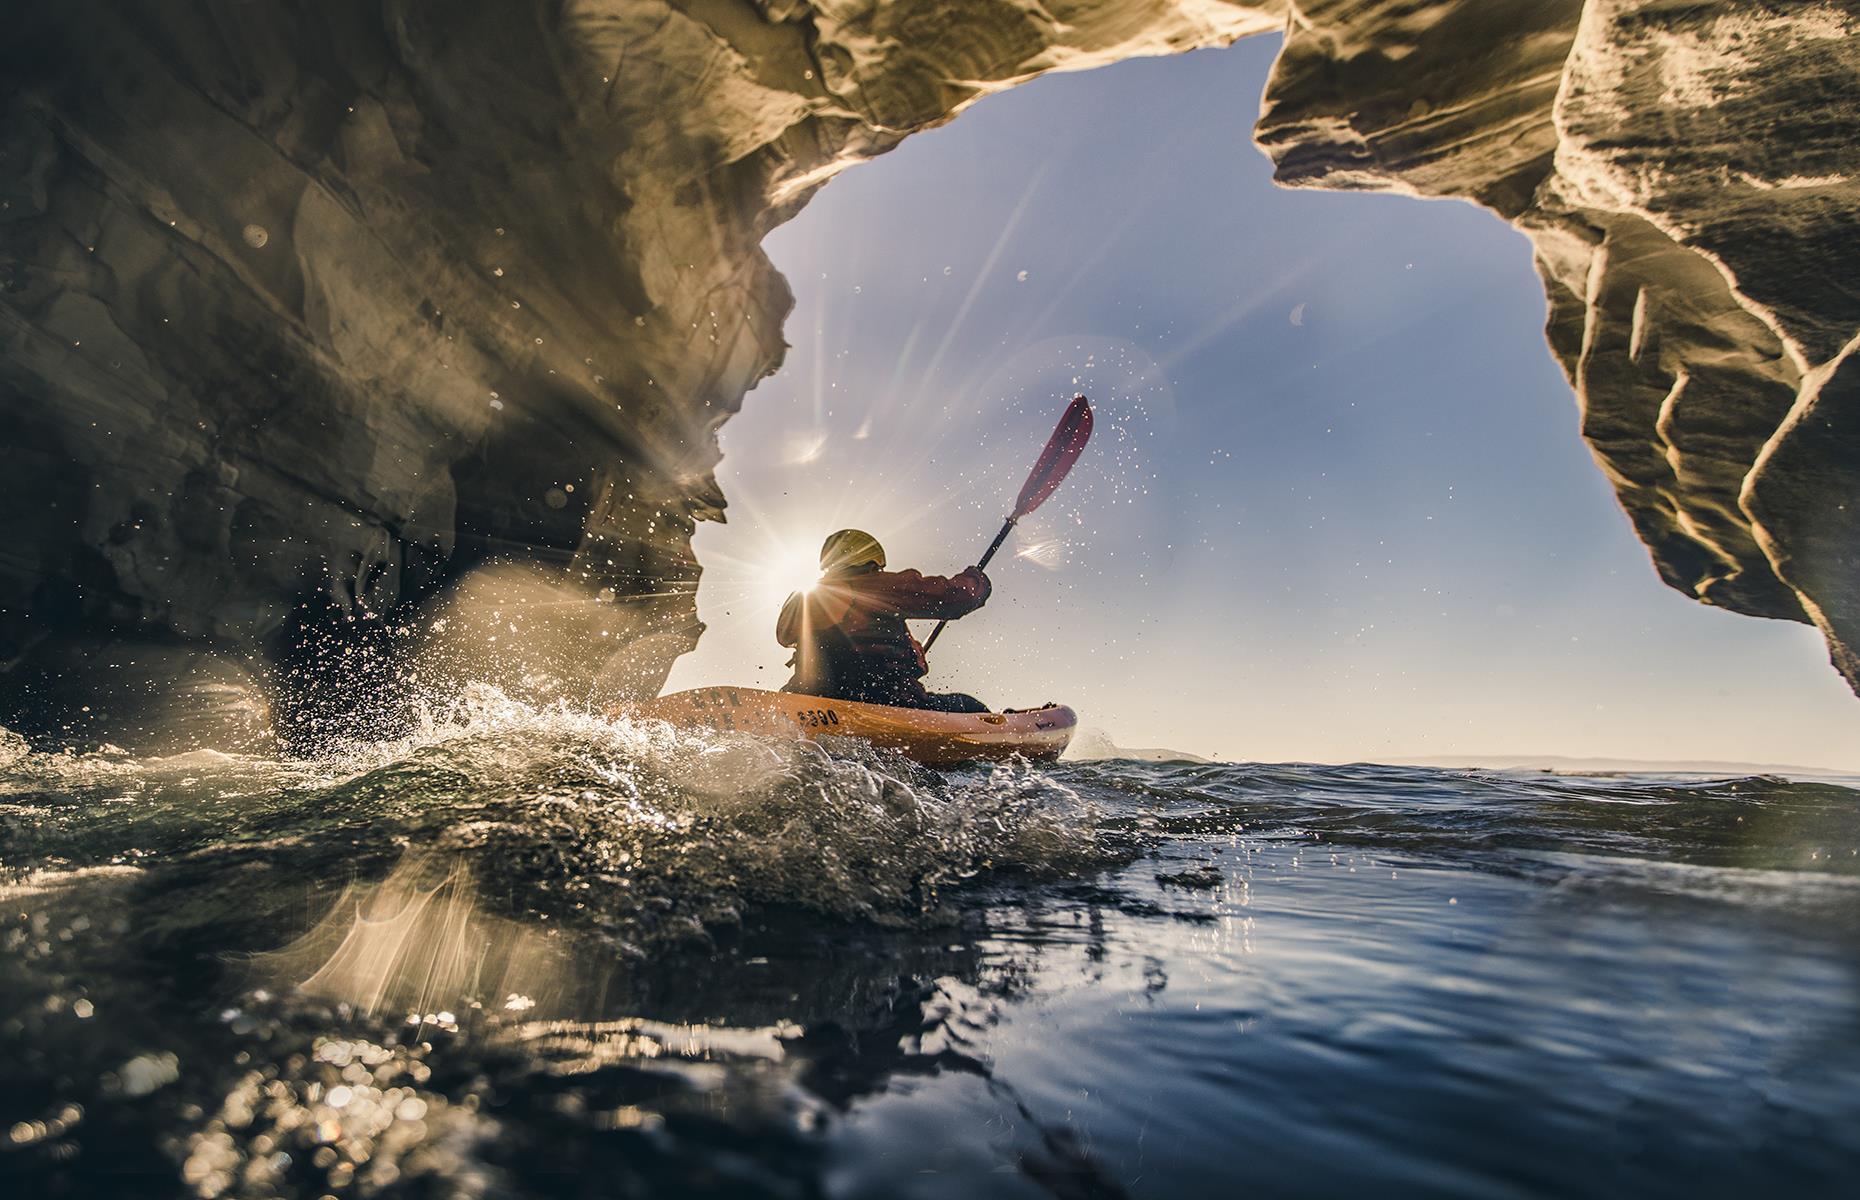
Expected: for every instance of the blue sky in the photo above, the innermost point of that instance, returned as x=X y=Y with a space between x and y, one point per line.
x=1336 y=508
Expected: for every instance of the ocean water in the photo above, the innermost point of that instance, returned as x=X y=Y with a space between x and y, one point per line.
x=529 y=953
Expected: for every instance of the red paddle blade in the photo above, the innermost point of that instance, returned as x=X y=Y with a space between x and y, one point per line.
x=1062 y=450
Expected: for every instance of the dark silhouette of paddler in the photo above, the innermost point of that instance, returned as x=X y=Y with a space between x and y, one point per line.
x=848 y=632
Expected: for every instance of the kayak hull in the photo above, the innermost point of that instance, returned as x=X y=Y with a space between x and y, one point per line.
x=936 y=738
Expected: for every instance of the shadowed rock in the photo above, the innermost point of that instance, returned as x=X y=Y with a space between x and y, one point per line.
x=309 y=311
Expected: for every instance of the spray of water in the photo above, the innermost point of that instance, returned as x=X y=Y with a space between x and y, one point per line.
x=493 y=816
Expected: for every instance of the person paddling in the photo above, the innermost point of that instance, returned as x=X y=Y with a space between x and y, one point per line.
x=848 y=632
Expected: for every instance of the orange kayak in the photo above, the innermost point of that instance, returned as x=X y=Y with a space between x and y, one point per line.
x=936 y=738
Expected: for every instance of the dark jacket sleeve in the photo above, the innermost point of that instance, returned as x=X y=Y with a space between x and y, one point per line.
x=911 y=594
x=788 y=625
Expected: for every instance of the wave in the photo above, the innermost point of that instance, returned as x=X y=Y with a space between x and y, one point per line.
x=639 y=831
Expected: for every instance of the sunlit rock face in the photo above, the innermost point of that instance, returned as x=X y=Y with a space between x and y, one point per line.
x=1686 y=174
x=308 y=313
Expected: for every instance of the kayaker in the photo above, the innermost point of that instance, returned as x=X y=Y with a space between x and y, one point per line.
x=848 y=633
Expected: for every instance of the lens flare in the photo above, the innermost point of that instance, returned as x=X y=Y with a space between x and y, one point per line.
x=1050 y=553
x=805 y=448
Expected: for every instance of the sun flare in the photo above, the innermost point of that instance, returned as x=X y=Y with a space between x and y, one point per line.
x=791 y=570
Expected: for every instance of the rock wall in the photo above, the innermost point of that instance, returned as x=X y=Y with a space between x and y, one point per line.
x=316 y=315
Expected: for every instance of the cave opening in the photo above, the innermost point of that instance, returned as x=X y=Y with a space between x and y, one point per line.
x=1338 y=438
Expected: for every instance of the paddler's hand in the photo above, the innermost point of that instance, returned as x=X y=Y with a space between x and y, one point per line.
x=977 y=582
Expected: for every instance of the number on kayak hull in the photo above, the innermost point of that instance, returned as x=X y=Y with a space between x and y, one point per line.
x=816 y=718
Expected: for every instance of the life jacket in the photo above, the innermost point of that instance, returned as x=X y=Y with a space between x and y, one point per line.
x=849 y=634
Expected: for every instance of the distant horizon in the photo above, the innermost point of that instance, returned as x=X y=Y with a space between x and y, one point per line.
x=1338 y=507
x=1601 y=763
x=1520 y=762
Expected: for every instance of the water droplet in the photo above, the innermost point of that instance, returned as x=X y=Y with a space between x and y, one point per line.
x=255 y=236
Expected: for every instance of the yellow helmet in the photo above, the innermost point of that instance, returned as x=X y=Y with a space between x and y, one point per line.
x=850 y=548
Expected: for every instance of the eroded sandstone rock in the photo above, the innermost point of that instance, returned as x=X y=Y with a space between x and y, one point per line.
x=308 y=313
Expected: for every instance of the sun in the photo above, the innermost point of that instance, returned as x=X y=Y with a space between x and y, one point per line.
x=791 y=570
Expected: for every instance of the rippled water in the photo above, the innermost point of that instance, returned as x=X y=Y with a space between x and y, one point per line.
x=539 y=954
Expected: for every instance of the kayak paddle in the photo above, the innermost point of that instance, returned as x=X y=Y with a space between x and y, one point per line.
x=1062 y=450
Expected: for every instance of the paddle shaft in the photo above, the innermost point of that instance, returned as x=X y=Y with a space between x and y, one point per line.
x=1049 y=471
x=1007 y=527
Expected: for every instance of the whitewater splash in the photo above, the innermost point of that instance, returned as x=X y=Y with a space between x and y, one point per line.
x=527 y=951
x=642 y=832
